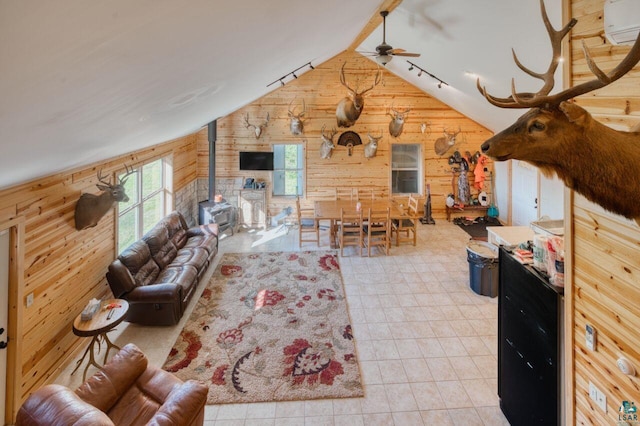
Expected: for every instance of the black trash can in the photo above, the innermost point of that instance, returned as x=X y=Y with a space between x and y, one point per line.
x=483 y=268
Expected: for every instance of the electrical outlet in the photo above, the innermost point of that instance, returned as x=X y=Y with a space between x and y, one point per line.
x=598 y=397
x=29 y=299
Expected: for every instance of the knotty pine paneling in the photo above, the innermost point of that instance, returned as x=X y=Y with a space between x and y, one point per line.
x=321 y=90
x=64 y=268
x=606 y=247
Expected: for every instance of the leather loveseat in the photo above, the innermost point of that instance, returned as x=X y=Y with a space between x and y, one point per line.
x=159 y=273
x=125 y=392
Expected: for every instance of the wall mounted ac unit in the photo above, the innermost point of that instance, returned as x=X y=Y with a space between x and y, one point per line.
x=621 y=21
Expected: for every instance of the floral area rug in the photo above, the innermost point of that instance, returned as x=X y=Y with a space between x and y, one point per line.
x=270 y=327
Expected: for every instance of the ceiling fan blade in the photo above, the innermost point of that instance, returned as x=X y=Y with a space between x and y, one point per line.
x=395 y=51
x=367 y=53
x=409 y=54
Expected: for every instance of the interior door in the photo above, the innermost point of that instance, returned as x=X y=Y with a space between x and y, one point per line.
x=4 y=317
x=524 y=193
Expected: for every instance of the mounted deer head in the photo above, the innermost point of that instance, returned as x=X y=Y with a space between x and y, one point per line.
x=350 y=107
x=397 y=121
x=371 y=148
x=444 y=143
x=296 y=124
x=560 y=137
x=327 y=143
x=90 y=208
x=256 y=129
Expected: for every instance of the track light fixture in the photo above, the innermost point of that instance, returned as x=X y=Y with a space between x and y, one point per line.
x=292 y=73
x=422 y=70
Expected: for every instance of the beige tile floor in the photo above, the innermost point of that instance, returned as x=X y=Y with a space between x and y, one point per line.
x=426 y=342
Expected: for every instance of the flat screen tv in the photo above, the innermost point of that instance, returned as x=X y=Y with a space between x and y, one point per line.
x=256 y=160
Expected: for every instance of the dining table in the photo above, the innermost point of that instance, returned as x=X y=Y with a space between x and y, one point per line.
x=330 y=210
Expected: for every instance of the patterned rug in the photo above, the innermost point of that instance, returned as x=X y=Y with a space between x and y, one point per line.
x=270 y=327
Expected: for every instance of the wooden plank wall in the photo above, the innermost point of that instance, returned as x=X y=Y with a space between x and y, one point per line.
x=321 y=90
x=63 y=267
x=606 y=260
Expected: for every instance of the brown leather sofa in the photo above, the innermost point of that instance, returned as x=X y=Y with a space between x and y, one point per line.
x=125 y=392
x=159 y=273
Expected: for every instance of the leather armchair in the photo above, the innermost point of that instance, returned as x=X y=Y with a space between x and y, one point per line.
x=125 y=392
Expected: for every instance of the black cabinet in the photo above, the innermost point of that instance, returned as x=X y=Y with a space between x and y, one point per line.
x=529 y=345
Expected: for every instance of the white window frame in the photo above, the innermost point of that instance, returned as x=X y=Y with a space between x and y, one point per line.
x=418 y=169
x=279 y=172
x=165 y=191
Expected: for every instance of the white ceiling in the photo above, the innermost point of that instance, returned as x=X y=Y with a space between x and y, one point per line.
x=82 y=81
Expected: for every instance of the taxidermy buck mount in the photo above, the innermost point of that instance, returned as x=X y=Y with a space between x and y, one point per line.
x=560 y=137
x=256 y=129
x=296 y=125
x=445 y=142
x=397 y=121
x=349 y=108
x=90 y=208
x=371 y=147
x=327 y=143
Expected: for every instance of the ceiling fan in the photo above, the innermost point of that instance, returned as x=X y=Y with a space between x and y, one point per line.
x=385 y=52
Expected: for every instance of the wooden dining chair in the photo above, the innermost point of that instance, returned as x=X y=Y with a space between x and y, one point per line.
x=364 y=194
x=405 y=229
x=378 y=230
x=350 y=231
x=308 y=229
x=344 y=193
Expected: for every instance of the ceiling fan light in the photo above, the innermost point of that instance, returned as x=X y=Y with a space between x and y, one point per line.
x=383 y=59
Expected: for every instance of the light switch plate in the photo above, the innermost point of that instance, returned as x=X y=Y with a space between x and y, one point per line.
x=597 y=396
x=590 y=337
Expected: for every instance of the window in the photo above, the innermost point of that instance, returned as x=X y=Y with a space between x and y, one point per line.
x=406 y=169
x=150 y=199
x=288 y=169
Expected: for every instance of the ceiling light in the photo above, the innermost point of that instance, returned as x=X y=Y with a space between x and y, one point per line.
x=411 y=67
x=294 y=75
x=282 y=82
x=440 y=85
x=419 y=73
x=383 y=59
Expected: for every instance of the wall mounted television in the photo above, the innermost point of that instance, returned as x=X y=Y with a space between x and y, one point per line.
x=256 y=160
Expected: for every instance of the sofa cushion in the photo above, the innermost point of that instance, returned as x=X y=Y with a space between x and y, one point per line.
x=183 y=275
x=177 y=228
x=137 y=258
x=162 y=249
x=196 y=257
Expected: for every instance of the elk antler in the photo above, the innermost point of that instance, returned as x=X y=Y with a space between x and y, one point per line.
x=542 y=97
x=376 y=81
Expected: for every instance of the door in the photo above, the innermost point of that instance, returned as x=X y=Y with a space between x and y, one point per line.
x=4 y=317
x=524 y=194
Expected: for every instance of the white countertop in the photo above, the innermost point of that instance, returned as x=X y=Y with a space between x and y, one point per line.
x=509 y=235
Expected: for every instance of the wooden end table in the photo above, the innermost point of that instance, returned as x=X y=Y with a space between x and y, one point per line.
x=97 y=328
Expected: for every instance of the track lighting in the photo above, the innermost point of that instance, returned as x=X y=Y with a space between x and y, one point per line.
x=421 y=71
x=292 y=73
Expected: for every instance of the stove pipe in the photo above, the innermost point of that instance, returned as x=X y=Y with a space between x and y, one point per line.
x=212 y=136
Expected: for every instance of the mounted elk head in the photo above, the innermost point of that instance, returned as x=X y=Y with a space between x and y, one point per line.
x=296 y=125
x=90 y=208
x=560 y=137
x=371 y=148
x=444 y=143
x=256 y=129
x=397 y=121
x=327 y=143
x=350 y=107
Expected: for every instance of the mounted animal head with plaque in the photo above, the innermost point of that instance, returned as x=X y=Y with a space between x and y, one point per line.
x=90 y=208
x=562 y=138
x=349 y=108
x=296 y=124
x=257 y=129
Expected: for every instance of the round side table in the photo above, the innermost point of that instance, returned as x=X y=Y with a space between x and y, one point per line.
x=111 y=313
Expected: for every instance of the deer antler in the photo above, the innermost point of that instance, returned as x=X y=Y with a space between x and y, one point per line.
x=246 y=122
x=530 y=100
x=102 y=180
x=129 y=172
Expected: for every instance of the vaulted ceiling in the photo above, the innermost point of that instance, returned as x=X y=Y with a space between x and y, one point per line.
x=84 y=81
